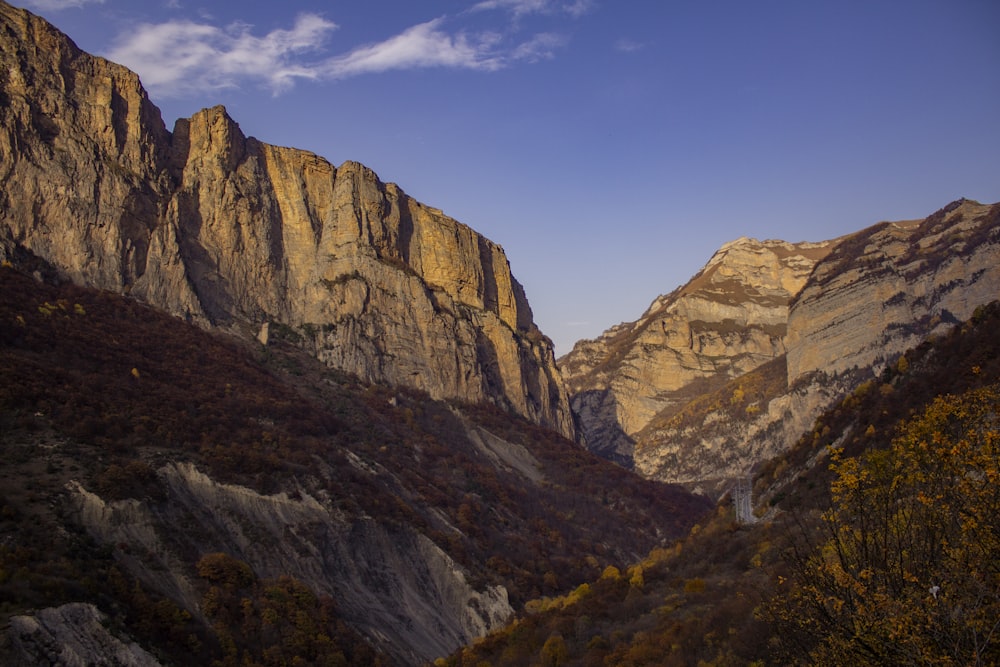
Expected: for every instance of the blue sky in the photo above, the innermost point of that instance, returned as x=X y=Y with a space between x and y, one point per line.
x=610 y=147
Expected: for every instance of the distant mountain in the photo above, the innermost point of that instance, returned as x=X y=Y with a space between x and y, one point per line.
x=228 y=231
x=730 y=369
x=726 y=321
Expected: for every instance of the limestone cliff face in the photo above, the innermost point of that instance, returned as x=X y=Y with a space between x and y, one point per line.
x=722 y=434
x=728 y=320
x=874 y=295
x=885 y=289
x=226 y=230
x=82 y=171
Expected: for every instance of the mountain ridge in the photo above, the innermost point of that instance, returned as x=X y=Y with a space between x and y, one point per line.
x=228 y=231
x=854 y=306
x=728 y=319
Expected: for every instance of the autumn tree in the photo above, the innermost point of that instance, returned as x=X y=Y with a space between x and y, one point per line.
x=908 y=570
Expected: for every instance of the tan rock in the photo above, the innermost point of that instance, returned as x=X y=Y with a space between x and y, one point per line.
x=228 y=231
x=728 y=320
x=870 y=296
x=888 y=287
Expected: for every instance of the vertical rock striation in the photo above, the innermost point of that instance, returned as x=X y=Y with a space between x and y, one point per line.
x=228 y=231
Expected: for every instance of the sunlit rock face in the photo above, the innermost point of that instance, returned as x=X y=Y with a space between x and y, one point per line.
x=885 y=289
x=228 y=231
x=851 y=308
x=726 y=321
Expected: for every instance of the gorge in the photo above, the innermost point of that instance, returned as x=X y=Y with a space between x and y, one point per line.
x=259 y=408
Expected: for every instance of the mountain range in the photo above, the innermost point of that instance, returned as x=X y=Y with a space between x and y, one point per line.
x=257 y=408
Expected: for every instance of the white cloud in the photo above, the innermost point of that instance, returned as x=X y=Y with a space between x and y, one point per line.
x=56 y=5
x=181 y=56
x=423 y=45
x=541 y=46
x=628 y=45
x=579 y=7
x=521 y=8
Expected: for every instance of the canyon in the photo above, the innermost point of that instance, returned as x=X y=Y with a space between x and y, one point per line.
x=235 y=373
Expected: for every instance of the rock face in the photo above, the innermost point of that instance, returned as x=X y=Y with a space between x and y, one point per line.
x=885 y=289
x=72 y=635
x=396 y=587
x=869 y=297
x=728 y=320
x=228 y=231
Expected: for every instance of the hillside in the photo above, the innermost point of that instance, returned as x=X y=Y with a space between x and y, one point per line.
x=138 y=445
x=737 y=594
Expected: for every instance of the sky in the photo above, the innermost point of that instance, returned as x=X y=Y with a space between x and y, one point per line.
x=609 y=146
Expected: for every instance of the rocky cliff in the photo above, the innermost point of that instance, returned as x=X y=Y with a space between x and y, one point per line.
x=869 y=297
x=225 y=230
x=883 y=290
x=727 y=320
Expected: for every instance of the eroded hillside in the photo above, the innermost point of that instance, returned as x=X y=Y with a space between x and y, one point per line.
x=137 y=445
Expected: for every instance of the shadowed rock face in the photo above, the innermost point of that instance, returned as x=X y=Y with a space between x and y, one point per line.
x=72 y=634
x=728 y=320
x=394 y=585
x=228 y=231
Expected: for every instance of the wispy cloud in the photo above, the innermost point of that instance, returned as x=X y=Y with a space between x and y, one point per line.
x=540 y=47
x=521 y=8
x=56 y=5
x=423 y=45
x=179 y=57
x=628 y=46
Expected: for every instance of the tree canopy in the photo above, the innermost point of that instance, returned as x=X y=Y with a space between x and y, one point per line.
x=908 y=568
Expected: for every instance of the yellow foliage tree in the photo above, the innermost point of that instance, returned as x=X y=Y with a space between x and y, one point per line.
x=554 y=651
x=909 y=572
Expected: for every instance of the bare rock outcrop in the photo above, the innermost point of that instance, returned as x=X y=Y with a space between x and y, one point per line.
x=228 y=231
x=71 y=635
x=728 y=320
x=886 y=288
x=392 y=583
x=870 y=297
